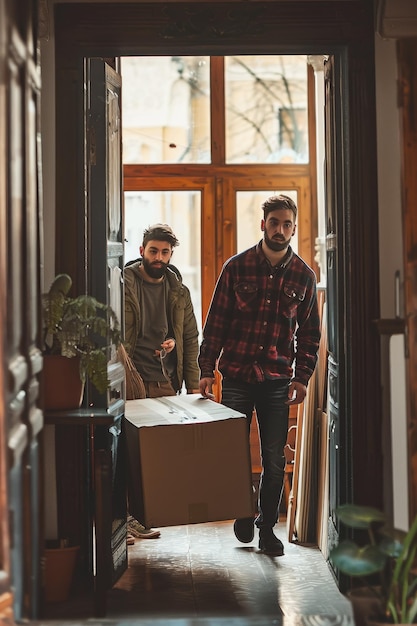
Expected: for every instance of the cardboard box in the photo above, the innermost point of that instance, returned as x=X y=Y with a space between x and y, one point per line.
x=189 y=461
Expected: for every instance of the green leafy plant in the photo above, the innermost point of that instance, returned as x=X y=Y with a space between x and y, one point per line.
x=389 y=553
x=79 y=327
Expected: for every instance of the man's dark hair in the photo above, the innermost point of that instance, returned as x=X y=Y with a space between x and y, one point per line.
x=160 y=232
x=279 y=202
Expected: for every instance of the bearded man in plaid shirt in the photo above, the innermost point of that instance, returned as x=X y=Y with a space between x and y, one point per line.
x=262 y=332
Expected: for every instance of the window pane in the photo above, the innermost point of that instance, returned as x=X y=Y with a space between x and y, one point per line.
x=249 y=215
x=266 y=109
x=166 y=109
x=182 y=211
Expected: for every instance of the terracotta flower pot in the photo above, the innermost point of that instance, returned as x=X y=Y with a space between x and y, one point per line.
x=366 y=605
x=387 y=622
x=59 y=572
x=61 y=387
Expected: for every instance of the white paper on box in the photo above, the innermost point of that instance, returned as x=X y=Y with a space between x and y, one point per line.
x=189 y=461
x=176 y=410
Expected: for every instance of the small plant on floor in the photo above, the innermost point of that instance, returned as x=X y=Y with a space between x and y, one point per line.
x=389 y=553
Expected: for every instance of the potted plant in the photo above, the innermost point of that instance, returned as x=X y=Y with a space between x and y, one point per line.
x=59 y=566
x=388 y=554
x=76 y=331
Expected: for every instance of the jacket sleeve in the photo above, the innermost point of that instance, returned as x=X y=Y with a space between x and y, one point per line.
x=216 y=326
x=307 y=336
x=190 y=348
x=131 y=305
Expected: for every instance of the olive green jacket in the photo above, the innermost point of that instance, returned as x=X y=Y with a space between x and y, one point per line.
x=181 y=319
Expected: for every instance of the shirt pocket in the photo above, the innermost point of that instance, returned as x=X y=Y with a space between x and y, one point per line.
x=292 y=295
x=246 y=295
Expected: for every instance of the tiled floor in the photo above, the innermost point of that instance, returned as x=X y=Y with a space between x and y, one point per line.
x=200 y=575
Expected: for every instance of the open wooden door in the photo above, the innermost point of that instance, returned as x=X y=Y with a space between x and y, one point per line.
x=21 y=420
x=104 y=280
x=353 y=340
x=338 y=492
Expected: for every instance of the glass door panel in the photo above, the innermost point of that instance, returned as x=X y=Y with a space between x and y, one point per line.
x=266 y=109
x=182 y=211
x=242 y=212
x=166 y=109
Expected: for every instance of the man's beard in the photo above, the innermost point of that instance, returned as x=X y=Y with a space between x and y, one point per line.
x=152 y=271
x=276 y=246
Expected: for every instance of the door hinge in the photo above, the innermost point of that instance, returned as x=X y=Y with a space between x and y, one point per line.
x=331 y=242
x=92 y=146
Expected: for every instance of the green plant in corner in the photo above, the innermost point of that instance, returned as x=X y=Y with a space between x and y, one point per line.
x=389 y=553
x=79 y=327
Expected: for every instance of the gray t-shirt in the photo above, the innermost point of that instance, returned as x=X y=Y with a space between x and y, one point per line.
x=153 y=332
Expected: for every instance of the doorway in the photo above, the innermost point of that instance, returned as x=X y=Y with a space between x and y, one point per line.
x=221 y=29
x=247 y=125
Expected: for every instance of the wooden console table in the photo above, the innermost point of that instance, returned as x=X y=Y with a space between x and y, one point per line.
x=91 y=492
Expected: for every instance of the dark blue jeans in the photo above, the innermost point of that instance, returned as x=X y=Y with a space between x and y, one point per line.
x=268 y=400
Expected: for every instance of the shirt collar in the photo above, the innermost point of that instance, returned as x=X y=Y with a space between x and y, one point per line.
x=283 y=263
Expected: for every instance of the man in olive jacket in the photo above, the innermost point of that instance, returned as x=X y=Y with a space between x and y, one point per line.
x=161 y=334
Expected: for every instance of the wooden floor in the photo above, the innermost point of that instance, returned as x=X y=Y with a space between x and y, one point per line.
x=200 y=575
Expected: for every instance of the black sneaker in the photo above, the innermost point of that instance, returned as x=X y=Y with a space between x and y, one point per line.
x=244 y=529
x=269 y=543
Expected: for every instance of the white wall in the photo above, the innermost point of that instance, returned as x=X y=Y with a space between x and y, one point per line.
x=391 y=260
x=389 y=172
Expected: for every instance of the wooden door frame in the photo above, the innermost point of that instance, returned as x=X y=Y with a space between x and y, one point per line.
x=329 y=27
x=6 y=594
x=21 y=419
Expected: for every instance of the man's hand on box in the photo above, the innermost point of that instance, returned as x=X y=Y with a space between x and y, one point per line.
x=206 y=388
